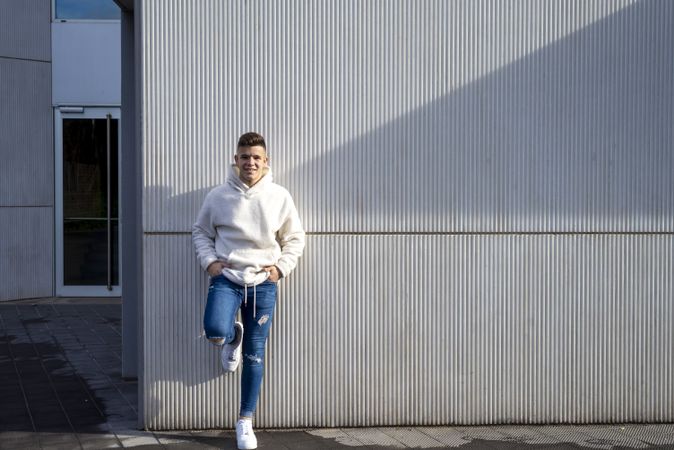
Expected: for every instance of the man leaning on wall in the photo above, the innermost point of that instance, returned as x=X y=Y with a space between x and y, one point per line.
x=247 y=236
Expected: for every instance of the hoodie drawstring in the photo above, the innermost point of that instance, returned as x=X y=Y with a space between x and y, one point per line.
x=245 y=298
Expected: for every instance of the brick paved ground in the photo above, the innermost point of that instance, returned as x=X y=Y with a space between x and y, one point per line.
x=61 y=388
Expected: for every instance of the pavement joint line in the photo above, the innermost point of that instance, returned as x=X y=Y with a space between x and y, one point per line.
x=18 y=375
x=425 y=433
x=85 y=318
x=383 y=430
x=539 y=432
x=51 y=383
x=510 y=438
x=105 y=374
x=160 y=442
x=76 y=374
x=589 y=437
x=107 y=322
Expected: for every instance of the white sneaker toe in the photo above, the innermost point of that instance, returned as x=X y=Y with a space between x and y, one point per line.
x=245 y=437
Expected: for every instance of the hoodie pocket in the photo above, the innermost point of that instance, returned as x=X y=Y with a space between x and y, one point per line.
x=256 y=258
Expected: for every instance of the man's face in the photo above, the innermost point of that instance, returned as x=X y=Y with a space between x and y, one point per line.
x=251 y=161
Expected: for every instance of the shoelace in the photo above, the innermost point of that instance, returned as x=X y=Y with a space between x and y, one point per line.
x=246 y=427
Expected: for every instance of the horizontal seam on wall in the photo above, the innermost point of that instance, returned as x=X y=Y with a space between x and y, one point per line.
x=26 y=206
x=455 y=233
x=26 y=59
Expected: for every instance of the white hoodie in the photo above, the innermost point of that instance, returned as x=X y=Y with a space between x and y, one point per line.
x=243 y=226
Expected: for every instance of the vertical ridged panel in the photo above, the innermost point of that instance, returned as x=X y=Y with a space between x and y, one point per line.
x=26 y=152
x=182 y=374
x=402 y=116
x=24 y=29
x=26 y=253
x=402 y=330
x=26 y=134
x=511 y=116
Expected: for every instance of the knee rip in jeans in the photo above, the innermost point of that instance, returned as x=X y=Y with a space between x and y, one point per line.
x=216 y=340
x=254 y=359
x=264 y=319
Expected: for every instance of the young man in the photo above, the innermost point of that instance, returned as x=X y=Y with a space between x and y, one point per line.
x=247 y=236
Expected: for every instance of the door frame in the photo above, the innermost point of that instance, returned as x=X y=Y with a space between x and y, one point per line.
x=82 y=112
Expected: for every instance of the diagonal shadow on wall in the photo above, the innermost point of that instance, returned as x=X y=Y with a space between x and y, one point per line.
x=576 y=136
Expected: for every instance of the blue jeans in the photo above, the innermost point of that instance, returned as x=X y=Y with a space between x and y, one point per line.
x=224 y=300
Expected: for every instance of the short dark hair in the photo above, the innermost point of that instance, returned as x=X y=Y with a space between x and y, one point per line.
x=251 y=139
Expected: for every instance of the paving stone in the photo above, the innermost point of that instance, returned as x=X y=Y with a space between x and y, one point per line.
x=19 y=440
x=85 y=422
x=135 y=439
x=351 y=437
x=411 y=437
x=58 y=439
x=372 y=436
x=17 y=421
x=526 y=434
x=651 y=434
x=569 y=434
x=448 y=436
x=51 y=421
x=124 y=425
x=336 y=434
x=12 y=404
x=300 y=439
x=197 y=443
x=174 y=437
x=611 y=436
x=479 y=433
x=97 y=441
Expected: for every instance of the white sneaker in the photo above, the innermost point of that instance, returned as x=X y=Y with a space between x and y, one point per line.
x=231 y=353
x=245 y=438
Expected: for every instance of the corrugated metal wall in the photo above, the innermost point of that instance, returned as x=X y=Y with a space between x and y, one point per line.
x=462 y=329
x=26 y=252
x=24 y=29
x=488 y=194
x=26 y=151
x=27 y=174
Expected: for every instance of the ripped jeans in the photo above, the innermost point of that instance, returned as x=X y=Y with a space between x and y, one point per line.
x=224 y=300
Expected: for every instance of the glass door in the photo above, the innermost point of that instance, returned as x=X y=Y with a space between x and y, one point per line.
x=87 y=202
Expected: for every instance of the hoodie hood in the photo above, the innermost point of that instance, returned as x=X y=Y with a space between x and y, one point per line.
x=234 y=180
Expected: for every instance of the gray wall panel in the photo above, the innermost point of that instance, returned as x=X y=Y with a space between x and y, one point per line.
x=86 y=63
x=24 y=29
x=455 y=116
x=26 y=253
x=26 y=151
x=400 y=330
x=26 y=134
x=471 y=121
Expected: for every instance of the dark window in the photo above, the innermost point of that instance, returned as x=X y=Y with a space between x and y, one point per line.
x=87 y=9
x=85 y=202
